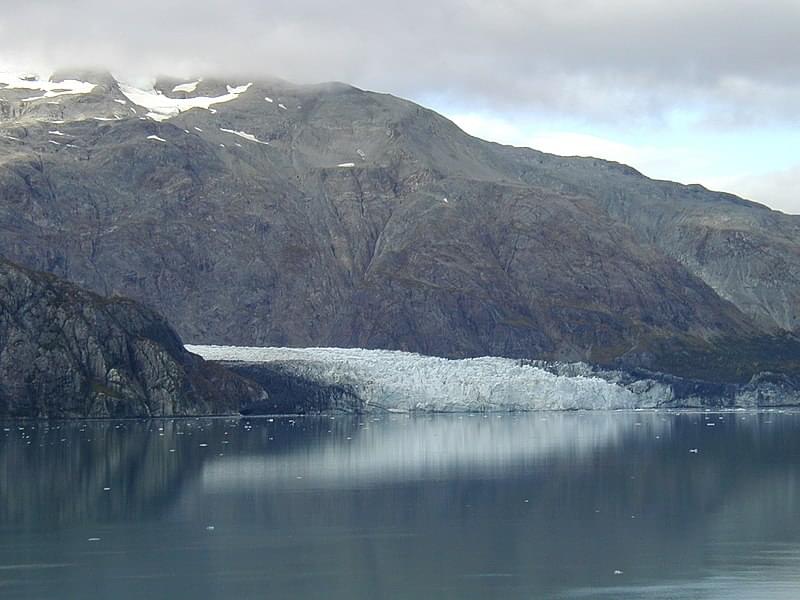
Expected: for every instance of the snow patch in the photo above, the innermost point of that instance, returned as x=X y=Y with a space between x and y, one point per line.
x=163 y=107
x=247 y=136
x=186 y=87
x=50 y=89
x=156 y=138
x=346 y=165
x=240 y=89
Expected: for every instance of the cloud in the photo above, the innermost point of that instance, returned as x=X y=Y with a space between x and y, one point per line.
x=687 y=163
x=623 y=68
x=658 y=161
x=604 y=59
x=779 y=189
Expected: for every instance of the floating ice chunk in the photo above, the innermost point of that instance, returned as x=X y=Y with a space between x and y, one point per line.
x=186 y=87
x=156 y=138
x=346 y=165
x=163 y=107
x=247 y=136
x=268 y=99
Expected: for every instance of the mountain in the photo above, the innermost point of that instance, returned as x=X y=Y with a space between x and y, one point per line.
x=272 y=214
x=66 y=352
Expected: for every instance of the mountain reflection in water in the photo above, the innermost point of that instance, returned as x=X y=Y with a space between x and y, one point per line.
x=554 y=505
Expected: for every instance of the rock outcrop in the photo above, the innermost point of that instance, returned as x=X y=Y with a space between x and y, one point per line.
x=66 y=352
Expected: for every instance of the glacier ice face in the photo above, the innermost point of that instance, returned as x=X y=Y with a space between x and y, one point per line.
x=402 y=381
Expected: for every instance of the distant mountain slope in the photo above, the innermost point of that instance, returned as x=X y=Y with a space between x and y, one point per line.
x=276 y=214
x=65 y=352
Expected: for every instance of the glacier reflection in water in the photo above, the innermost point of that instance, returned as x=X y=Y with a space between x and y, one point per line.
x=536 y=505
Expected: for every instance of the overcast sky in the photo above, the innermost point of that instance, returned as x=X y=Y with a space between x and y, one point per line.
x=699 y=91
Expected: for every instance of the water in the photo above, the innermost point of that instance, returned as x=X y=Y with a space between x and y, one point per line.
x=541 y=505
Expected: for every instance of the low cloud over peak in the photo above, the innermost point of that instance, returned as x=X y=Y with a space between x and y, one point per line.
x=610 y=59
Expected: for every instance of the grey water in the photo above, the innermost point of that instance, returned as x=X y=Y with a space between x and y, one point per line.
x=610 y=505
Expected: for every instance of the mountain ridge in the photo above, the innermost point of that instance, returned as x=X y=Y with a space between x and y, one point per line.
x=328 y=215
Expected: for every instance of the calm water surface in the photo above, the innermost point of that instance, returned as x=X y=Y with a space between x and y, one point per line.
x=542 y=505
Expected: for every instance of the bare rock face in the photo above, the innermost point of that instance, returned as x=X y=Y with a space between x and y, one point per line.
x=66 y=352
x=285 y=215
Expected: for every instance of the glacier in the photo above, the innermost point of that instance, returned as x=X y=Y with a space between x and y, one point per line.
x=386 y=380
x=402 y=381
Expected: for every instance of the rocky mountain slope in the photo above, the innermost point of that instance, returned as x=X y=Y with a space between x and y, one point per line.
x=65 y=352
x=267 y=213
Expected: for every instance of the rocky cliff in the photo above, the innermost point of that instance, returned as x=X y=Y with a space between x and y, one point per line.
x=66 y=352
